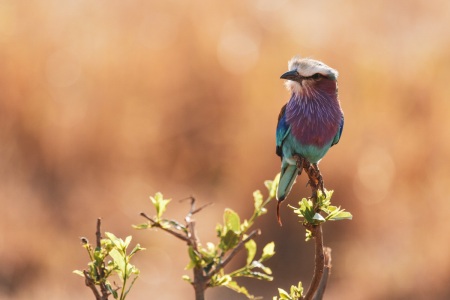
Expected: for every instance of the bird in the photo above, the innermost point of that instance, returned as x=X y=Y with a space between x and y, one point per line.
x=310 y=122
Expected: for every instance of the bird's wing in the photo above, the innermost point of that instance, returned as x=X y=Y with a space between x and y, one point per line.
x=337 y=137
x=283 y=129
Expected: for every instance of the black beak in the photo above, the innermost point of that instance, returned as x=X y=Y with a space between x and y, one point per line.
x=290 y=75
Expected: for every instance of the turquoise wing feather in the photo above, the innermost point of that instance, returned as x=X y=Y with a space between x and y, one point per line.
x=283 y=130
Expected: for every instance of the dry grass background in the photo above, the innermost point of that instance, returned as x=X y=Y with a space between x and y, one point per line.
x=103 y=103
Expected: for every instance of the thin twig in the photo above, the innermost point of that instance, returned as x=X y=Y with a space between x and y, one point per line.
x=98 y=233
x=187 y=219
x=168 y=230
x=90 y=283
x=200 y=280
x=227 y=259
x=101 y=269
x=201 y=207
x=193 y=210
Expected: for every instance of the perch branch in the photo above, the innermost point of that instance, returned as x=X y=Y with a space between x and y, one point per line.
x=319 y=262
x=316 y=183
x=327 y=271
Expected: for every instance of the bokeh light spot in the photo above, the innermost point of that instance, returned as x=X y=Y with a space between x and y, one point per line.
x=238 y=47
x=159 y=270
x=62 y=69
x=375 y=173
x=158 y=31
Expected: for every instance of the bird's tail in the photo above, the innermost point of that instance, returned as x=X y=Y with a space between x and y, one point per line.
x=287 y=179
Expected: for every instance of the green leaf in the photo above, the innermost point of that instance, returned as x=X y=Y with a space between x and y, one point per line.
x=261 y=276
x=78 y=272
x=274 y=186
x=297 y=291
x=244 y=226
x=342 y=215
x=219 y=279
x=268 y=251
x=136 y=249
x=219 y=230
x=318 y=217
x=232 y=220
x=283 y=294
x=119 y=260
x=186 y=278
x=190 y=265
x=258 y=264
x=239 y=289
x=251 y=251
x=193 y=255
x=111 y=237
x=160 y=204
x=306 y=210
x=142 y=226
x=208 y=253
x=118 y=243
x=127 y=241
x=99 y=256
x=268 y=184
x=176 y=225
x=111 y=290
x=258 y=199
x=308 y=235
x=211 y=247
x=229 y=241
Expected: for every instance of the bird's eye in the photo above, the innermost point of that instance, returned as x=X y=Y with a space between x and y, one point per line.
x=317 y=76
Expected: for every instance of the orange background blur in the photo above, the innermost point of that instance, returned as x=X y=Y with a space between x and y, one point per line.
x=103 y=103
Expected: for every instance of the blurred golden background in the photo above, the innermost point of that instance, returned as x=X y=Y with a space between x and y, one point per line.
x=103 y=103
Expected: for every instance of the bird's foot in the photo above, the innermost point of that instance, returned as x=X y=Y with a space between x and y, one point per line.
x=299 y=160
x=321 y=185
x=319 y=178
x=312 y=169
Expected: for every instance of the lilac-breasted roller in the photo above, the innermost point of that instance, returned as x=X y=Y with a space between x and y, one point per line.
x=311 y=121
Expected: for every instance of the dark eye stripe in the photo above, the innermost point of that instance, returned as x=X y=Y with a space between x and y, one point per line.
x=316 y=76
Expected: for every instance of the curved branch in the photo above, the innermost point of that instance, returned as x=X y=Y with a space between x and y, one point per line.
x=320 y=279
x=326 y=273
x=319 y=262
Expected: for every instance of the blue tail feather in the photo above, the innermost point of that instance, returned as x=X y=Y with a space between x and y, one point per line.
x=287 y=179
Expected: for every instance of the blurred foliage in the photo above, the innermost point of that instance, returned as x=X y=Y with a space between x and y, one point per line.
x=100 y=270
x=233 y=235
x=295 y=293
x=311 y=214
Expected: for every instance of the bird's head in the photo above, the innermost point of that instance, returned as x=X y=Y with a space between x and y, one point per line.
x=306 y=75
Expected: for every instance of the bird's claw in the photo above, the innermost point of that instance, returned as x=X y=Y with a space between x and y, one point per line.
x=313 y=172
x=299 y=162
